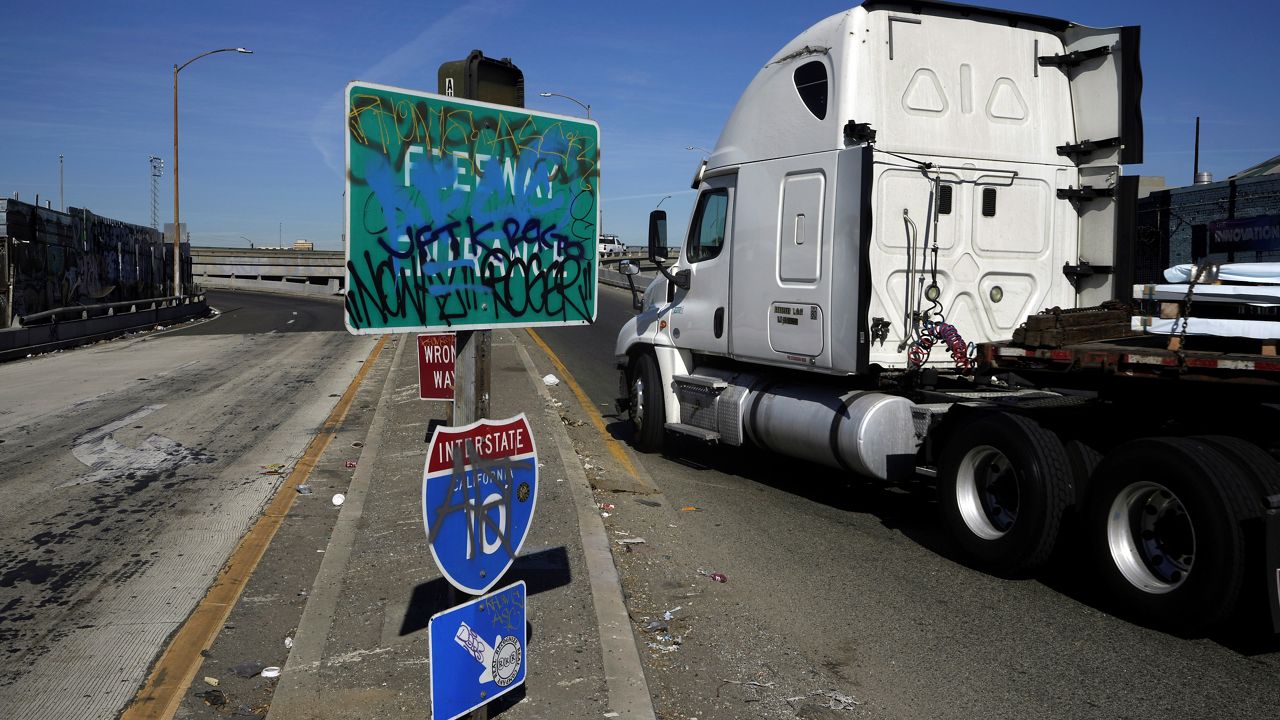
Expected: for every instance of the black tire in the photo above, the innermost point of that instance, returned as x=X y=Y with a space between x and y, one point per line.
x=1083 y=460
x=1164 y=520
x=648 y=410
x=1004 y=483
x=1252 y=461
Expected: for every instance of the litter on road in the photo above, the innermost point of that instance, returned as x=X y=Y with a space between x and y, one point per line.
x=835 y=700
x=270 y=672
x=690 y=508
x=247 y=669
x=550 y=380
x=349 y=464
x=214 y=698
x=211 y=681
x=338 y=499
x=304 y=489
x=631 y=541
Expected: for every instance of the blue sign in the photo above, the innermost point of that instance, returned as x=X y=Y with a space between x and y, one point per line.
x=479 y=491
x=478 y=652
x=1259 y=234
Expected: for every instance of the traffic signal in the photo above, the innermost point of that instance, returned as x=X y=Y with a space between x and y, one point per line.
x=483 y=78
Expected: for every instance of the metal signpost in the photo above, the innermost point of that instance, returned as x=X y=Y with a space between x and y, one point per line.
x=436 y=354
x=463 y=216
x=478 y=652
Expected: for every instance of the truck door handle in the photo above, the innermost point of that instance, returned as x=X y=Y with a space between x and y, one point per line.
x=718 y=322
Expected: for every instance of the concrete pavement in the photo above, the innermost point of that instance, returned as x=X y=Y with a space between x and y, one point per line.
x=352 y=588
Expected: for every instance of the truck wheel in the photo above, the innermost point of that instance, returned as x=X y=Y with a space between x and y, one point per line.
x=647 y=411
x=1252 y=461
x=1004 y=483
x=1165 y=520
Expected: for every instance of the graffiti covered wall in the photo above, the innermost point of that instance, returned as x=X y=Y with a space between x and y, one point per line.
x=463 y=214
x=58 y=260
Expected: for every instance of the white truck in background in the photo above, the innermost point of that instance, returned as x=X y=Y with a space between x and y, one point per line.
x=611 y=245
x=895 y=193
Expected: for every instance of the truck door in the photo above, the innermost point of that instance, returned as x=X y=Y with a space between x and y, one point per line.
x=699 y=316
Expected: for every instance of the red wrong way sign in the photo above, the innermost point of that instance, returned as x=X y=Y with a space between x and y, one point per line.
x=436 y=354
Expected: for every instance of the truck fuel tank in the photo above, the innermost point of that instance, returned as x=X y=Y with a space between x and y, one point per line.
x=867 y=432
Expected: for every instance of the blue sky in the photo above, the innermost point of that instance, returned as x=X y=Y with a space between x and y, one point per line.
x=261 y=134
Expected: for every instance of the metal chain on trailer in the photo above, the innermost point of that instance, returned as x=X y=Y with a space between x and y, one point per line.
x=1184 y=313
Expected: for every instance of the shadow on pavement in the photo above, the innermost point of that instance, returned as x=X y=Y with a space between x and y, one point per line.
x=541 y=570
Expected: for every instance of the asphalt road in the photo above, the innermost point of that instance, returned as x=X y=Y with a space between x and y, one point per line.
x=131 y=469
x=838 y=585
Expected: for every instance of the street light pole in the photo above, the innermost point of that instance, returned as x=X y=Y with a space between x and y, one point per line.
x=62 y=199
x=703 y=150
x=581 y=104
x=177 y=217
x=655 y=207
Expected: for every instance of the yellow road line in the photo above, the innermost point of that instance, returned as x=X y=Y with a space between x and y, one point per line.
x=615 y=448
x=172 y=674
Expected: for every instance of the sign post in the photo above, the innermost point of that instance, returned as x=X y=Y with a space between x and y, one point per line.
x=466 y=213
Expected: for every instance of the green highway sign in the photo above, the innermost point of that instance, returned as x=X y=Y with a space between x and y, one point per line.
x=464 y=214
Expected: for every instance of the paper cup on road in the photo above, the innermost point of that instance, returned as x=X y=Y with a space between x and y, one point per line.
x=338 y=499
x=272 y=671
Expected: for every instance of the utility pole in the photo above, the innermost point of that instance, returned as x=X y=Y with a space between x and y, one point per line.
x=62 y=199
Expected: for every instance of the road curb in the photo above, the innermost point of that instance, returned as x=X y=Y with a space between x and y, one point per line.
x=296 y=687
x=624 y=674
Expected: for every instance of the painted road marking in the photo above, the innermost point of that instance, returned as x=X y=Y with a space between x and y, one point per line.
x=108 y=458
x=615 y=448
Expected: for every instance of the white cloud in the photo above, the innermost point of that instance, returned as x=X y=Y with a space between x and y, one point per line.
x=418 y=58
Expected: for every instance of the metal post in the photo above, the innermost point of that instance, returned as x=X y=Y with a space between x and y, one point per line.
x=62 y=198
x=471 y=376
x=177 y=217
x=1195 y=168
x=471 y=403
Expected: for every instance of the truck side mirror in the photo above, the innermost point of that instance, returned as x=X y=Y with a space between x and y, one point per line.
x=658 y=237
x=658 y=249
x=626 y=267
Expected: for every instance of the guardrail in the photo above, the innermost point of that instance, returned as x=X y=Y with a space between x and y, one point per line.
x=84 y=312
x=66 y=327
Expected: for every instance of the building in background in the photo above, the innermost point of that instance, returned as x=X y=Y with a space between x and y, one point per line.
x=1232 y=220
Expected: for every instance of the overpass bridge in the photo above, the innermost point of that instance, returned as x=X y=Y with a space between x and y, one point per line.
x=301 y=272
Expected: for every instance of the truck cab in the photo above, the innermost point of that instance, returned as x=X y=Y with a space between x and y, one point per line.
x=897 y=165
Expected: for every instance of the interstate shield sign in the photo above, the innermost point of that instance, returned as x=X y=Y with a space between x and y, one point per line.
x=479 y=491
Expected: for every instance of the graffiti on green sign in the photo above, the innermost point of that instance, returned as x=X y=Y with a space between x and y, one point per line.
x=464 y=214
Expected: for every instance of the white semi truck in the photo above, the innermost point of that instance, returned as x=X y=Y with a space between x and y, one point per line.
x=895 y=193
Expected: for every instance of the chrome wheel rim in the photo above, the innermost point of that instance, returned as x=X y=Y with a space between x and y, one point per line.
x=637 y=401
x=1151 y=537
x=987 y=492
